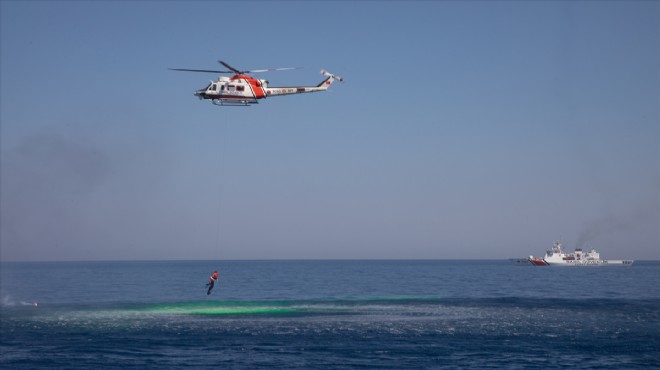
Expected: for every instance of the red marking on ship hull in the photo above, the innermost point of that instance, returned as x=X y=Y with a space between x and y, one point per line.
x=538 y=262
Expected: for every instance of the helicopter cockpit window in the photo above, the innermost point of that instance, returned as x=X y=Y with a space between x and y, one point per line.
x=212 y=87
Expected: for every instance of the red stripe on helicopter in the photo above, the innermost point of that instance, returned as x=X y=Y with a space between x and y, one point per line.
x=258 y=89
x=255 y=85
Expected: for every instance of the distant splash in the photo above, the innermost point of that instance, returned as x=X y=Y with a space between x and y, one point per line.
x=8 y=301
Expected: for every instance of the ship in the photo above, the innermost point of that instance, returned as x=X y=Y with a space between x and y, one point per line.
x=557 y=257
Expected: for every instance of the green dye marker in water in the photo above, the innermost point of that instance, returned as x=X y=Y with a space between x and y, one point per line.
x=218 y=309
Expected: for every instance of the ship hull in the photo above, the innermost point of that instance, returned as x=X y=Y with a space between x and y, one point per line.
x=590 y=263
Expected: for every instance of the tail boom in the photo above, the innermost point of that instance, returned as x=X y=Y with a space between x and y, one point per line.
x=323 y=86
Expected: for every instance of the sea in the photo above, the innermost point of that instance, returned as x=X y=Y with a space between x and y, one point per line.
x=329 y=314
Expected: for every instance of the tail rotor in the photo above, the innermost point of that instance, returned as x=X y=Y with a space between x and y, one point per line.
x=328 y=74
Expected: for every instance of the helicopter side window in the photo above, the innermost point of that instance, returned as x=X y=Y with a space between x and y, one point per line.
x=222 y=88
x=231 y=88
x=240 y=88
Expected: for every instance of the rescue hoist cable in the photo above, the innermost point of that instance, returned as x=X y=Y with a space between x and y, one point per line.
x=219 y=237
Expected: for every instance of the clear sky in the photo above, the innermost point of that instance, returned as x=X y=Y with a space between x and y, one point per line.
x=463 y=130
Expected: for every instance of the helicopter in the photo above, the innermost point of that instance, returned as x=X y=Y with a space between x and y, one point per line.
x=241 y=89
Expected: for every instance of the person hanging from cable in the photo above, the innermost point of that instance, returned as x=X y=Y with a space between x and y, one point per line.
x=211 y=282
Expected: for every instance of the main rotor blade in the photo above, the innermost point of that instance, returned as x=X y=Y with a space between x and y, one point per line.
x=230 y=67
x=273 y=69
x=255 y=70
x=199 y=70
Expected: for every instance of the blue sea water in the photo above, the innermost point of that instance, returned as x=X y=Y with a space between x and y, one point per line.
x=329 y=314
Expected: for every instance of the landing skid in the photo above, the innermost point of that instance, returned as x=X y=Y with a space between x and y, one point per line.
x=234 y=103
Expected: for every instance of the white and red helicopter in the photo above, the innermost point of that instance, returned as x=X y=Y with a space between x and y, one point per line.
x=242 y=89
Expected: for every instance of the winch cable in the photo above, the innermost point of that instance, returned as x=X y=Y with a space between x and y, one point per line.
x=219 y=237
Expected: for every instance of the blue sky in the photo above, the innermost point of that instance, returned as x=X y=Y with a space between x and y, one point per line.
x=464 y=130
